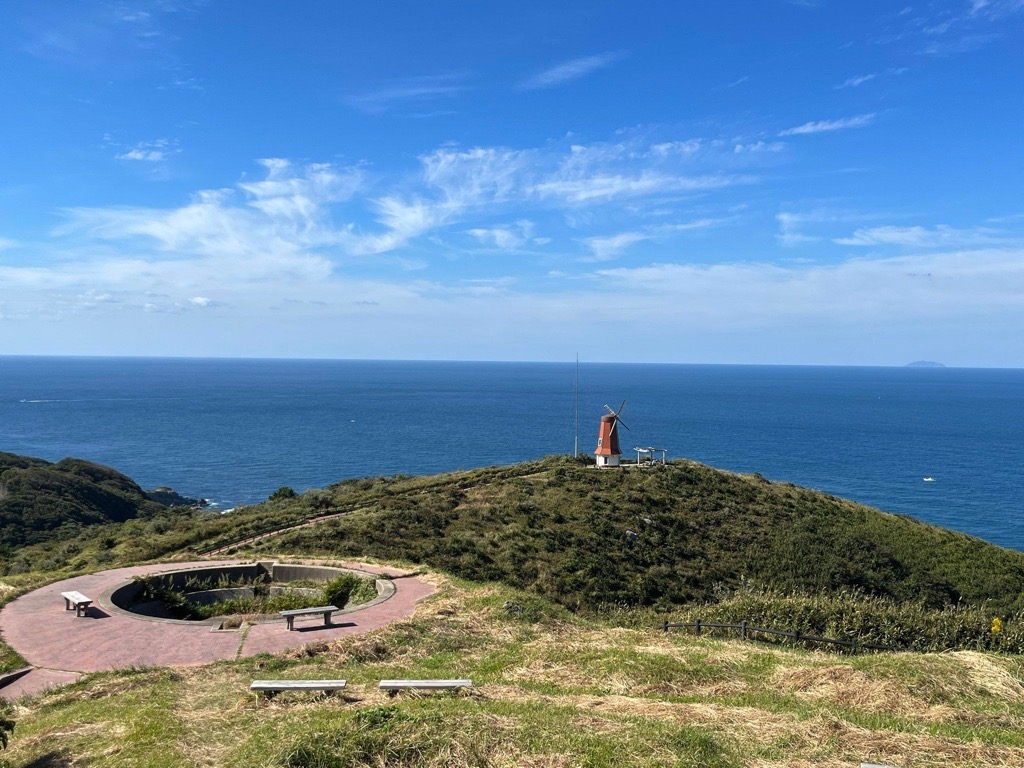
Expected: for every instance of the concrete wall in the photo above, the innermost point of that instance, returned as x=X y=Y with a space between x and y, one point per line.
x=284 y=573
x=209 y=596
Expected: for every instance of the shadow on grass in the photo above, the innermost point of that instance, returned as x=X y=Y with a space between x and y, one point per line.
x=50 y=760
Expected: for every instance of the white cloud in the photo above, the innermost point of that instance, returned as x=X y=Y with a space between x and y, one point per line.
x=505 y=238
x=570 y=70
x=414 y=90
x=608 y=247
x=995 y=8
x=684 y=148
x=946 y=286
x=760 y=146
x=602 y=188
x=199 y=301
x=793 y=225
x=821 y=126
x=151 y=151
x=853 y=82
x=941 y=236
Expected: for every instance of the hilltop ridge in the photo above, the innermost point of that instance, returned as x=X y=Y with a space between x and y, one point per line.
x=649 y=537
x=43 y=501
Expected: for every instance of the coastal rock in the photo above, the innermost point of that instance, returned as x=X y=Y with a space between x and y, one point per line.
x=171 y=498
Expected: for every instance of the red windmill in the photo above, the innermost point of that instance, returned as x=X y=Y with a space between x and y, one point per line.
x=608 y=452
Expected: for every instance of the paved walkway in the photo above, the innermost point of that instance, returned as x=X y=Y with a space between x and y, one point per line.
x=60 y=644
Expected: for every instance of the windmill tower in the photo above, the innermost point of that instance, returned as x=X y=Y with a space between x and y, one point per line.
x=608 y=452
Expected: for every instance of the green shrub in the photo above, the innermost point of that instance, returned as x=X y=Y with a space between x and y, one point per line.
x=851 y=616
x=282 y=493
x=346 y=588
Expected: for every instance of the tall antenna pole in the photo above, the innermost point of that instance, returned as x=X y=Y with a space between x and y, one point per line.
x=576 y=442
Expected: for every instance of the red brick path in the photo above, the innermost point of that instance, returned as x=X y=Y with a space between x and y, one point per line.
x=37 y=626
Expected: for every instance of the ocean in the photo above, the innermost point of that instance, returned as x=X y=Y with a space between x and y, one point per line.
x=233 y=431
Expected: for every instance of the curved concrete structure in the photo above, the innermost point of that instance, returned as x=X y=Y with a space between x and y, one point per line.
x=55 y=640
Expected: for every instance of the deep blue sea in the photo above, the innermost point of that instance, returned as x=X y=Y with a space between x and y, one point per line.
x=234 y=430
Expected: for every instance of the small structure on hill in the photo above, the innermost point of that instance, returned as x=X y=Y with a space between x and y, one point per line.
x=648 y=457
x=608 y=452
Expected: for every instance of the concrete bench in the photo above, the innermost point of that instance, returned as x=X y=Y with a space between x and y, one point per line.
x=326 y=610
x=269 y=687
x=76 y=600
x=394 y=686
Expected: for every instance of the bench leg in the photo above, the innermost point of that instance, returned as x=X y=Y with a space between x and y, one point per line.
x=327 y=619
x=67 y=604
x=291 y=622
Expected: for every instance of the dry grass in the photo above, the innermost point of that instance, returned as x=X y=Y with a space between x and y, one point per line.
x=989 y=673
x=847 y=687
x=556 y=693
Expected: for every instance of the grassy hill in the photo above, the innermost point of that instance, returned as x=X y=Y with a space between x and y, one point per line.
x=41 y=501
x=553 y=580
x=660 y=537
x=553 y=690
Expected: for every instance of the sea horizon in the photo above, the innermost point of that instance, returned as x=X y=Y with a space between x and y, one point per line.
x=569 y=361
x=235 y=430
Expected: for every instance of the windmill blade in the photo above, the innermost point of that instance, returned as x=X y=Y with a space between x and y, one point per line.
x=609 y=408
x=615 y=424
x=620 y=409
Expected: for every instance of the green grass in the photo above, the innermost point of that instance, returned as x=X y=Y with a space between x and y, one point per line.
x=553 y=689
x=553 y=613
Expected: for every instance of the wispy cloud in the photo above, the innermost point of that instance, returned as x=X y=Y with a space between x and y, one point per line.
x=853 y=82
x=941 y=236
x=151 y=151
x=573 y=69
x=412 y=90
x=759 y=146
x=823 y=126
x=738 y=81
x=299 y=230
x=801 y=227
x=607 y=247
x=995 y=8
x=609 y=187
x=506 y=238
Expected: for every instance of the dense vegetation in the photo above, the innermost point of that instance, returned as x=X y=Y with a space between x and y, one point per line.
x=40 y=501
x=346 y=589
x=660 y=537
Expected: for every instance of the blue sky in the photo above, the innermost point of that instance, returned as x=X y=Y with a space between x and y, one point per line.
x=730 y=182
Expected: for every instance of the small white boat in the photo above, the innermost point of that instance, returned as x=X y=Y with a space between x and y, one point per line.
x=928 y=479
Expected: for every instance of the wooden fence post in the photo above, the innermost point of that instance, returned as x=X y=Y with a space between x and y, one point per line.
x=697 y=626
x=665 y=628
x=743 y=629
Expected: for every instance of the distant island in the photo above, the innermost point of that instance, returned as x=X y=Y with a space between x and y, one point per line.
x=924 y=364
